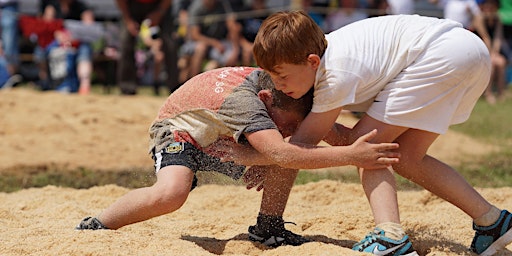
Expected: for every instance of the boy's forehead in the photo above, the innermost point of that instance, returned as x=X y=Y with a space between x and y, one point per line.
x=277 y=70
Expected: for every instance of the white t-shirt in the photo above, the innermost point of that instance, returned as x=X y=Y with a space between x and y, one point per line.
x=363 y=57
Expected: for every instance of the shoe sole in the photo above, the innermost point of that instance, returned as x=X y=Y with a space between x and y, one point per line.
x=273 y=241
x=499 y=244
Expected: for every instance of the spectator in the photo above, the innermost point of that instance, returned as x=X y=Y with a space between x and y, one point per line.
x=505 y=13
x=401 y=6
x=10 y=53
x=42 y=29
x=468 y=13
x=214 y=35
x=313 y=10
x=255 y=13
x=498 y=59
x=180 y=9
x=79 y=35
x=348 y=12
x=378 y=8
x=159 y=13
x=149 y=37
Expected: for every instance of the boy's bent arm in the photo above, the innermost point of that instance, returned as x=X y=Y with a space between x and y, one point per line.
x=315 y=127
x=339 y=135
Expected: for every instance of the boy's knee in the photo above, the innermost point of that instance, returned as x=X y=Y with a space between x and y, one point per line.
x=170 y=198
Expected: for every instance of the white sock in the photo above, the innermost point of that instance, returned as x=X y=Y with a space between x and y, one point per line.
x=489 y=218
x=392 y=230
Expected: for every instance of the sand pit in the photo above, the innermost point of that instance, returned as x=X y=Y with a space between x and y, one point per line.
x=109 y=133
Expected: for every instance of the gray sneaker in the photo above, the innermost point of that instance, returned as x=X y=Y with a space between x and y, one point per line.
x=91 y=223
x=275 y=238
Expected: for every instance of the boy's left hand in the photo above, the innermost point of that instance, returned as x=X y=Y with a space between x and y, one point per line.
x=254 y=177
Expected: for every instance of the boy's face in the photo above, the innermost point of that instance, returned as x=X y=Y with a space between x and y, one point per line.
x=287 y=121
x=294 y=80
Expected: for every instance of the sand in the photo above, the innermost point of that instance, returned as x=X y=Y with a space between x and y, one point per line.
x=109 y=132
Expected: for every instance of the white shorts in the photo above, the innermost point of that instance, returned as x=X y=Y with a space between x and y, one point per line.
x=440 y=88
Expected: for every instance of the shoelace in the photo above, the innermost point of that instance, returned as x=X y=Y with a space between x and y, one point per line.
x=368 y=239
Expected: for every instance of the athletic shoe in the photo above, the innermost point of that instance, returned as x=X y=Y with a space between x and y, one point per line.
x=377 y=243
x=488 y=240
x=90 y=223
x=276 y=238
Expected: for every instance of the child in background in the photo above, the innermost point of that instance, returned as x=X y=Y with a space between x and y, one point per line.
x=414 y=76
x=233 y=105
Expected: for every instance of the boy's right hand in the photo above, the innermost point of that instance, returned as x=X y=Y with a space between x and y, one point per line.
x=373 y=156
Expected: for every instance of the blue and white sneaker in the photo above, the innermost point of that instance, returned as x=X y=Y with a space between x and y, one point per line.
x=378 y=244
x=488 y=240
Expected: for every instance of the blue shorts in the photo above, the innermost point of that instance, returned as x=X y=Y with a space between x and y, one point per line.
x=185 y=154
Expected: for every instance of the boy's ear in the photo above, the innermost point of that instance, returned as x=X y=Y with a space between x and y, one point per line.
x=266 y=97
x=314 y=60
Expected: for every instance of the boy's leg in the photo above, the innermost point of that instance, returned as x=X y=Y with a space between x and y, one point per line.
x=436 y=176
x=277 y=186
x=168 y=194
x=269 y=229
x=379 y=185
x=428 y=172
x=418 y=167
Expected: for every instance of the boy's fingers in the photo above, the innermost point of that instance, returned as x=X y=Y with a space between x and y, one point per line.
x=388 y=160
x=385 y=146
x=390 y=154
x=369 y=136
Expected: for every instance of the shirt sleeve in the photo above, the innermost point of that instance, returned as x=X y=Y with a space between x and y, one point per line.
x=335 y=88
x=243 y=112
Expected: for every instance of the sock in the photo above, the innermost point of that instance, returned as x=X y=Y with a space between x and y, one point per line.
x=392 y=230
x=269 y=223
x=489 y=218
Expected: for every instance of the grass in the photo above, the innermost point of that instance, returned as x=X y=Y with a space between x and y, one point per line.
x=488 y=124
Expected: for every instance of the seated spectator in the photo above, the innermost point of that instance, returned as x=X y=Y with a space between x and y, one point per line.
x=213 y=36
x=9 y=36
x=77 y=11
x=497 y=84
x=41 y=28
x=347 y=13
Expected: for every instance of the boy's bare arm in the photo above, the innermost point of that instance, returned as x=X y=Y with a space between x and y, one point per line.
x=361 y=153
x=339 y=135
x=315 y=127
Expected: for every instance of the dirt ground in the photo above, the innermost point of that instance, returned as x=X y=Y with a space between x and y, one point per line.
x=109 y=132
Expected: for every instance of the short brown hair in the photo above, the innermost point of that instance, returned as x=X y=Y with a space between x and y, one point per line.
x=282 y=101
x=288 y=37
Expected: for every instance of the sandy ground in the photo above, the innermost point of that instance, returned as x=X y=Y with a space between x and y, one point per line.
x=110 y=133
